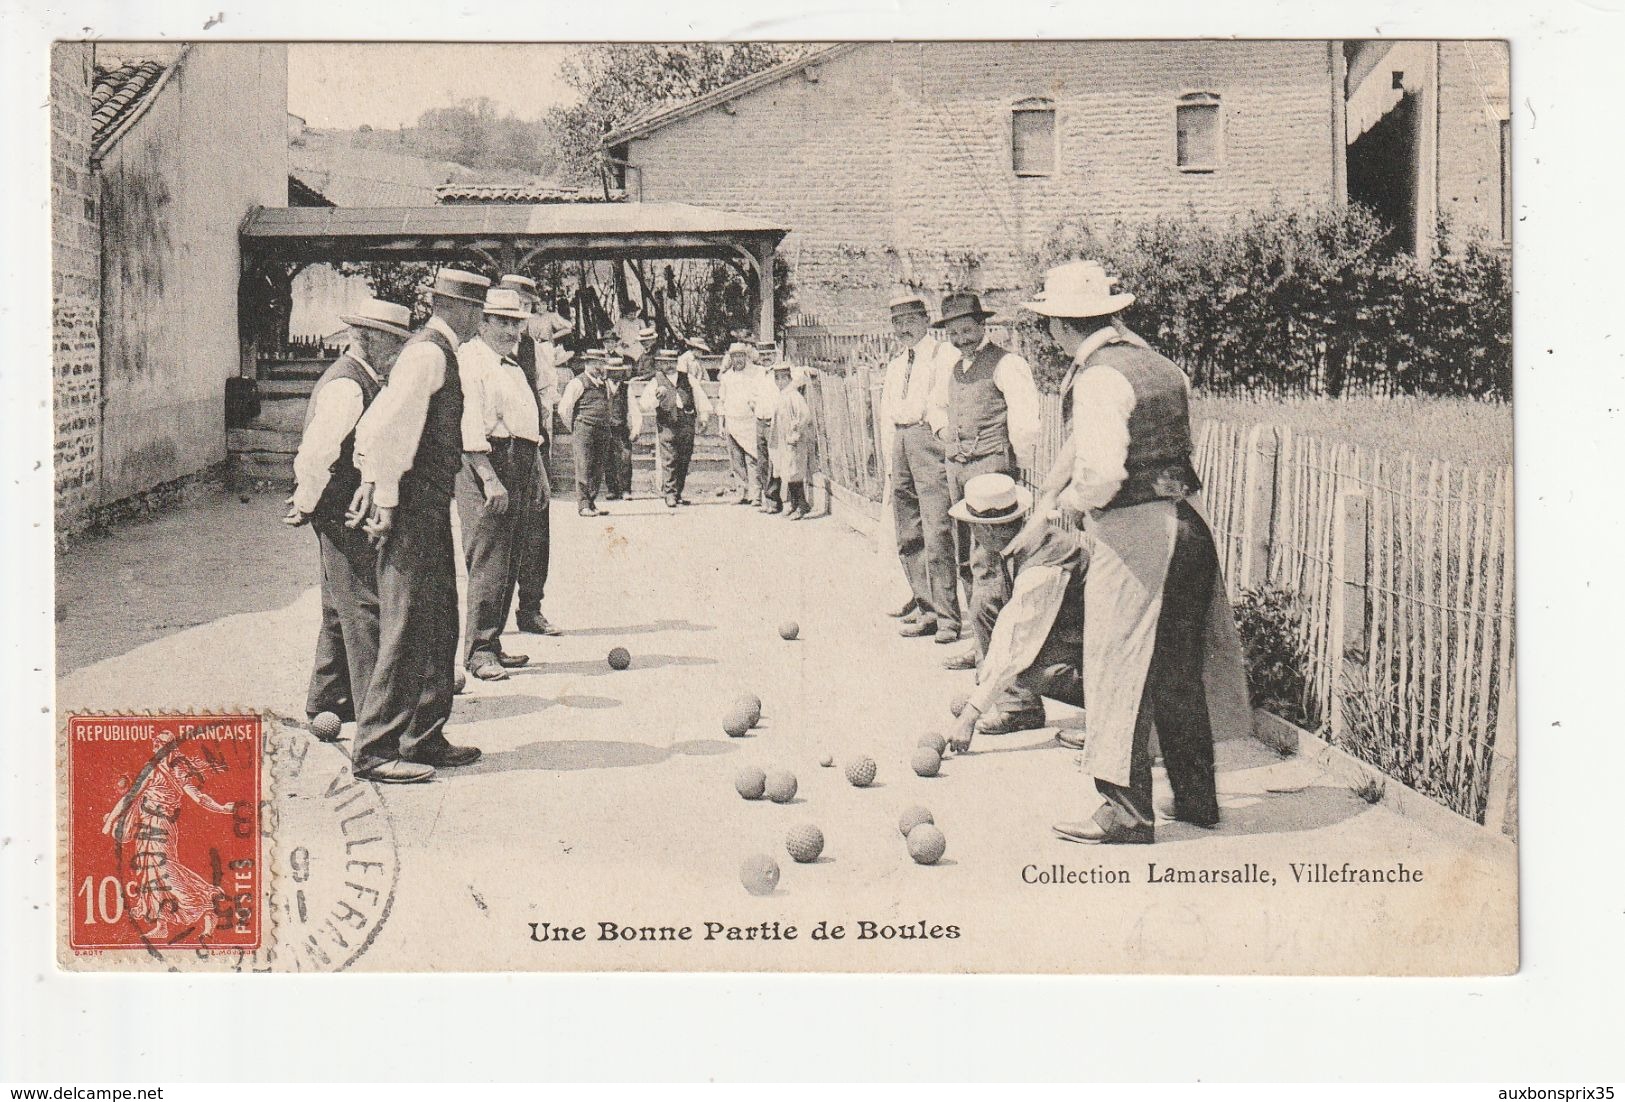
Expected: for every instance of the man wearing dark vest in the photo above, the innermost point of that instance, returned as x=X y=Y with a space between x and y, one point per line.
x=409 y=449
x=540 y=358
x=678 y=405
x=624 y=426
x=497 y=490
x=1159 y=643
x=585 y=410
x=325 y=481
x=992 y=428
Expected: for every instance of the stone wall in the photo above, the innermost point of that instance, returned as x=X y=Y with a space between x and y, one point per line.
x=1473 y=102
x=76 y=288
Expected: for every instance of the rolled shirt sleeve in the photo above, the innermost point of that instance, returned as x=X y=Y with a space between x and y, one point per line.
x=473 y=369
x=1014 y=378
x=1102 y=401
x=568 y=400
x=386 y=438
x=1019 y=633
x=339 y=405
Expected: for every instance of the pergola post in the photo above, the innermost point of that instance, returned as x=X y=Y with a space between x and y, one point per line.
x=764 y=284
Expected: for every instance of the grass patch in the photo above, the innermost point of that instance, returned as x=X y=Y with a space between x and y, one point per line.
x=1455 y=429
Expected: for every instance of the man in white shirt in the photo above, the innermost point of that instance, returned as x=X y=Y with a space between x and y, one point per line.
x=764 y=400
x=498 y=490
x=735 y=393
x=325 y=481
x=992 y=405
x=913 y=419
x=1159 y=645
x=409 y=451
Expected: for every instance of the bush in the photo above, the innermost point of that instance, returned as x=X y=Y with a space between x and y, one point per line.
x=1269 y=620
x=1307 y=302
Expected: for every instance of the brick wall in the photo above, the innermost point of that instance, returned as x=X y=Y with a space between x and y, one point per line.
x=1473 y=100
x=894 y=164
x=76 y=288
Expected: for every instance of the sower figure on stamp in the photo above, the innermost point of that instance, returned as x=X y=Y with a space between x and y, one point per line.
x=992 y=406
x=735 y=388
x=584 y=408
x=540 y=357
x=1159 y=644
x=325 y=481
x=914 y=421
x=409 y=449
x=1036 y=646
x=498 y=489
x=680 y=410
x=764 y=400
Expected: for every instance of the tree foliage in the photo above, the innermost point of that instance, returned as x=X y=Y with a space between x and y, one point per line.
x=618 y=81
x=472 y=132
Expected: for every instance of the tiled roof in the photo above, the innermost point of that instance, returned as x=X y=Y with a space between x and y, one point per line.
x=118 y=95
x=521 y=193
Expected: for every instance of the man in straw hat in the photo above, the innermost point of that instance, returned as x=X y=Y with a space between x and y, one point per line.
x=625 y=424
x=541 y=359
x=409 y=449
x=914 y=421
x=498 y=489
x=1159 y=645
x=735 y=391
x=764 y=400
x=680 y=409
x=992 y=428
x=1035 y=648
x=585 y=409
x=325 y=481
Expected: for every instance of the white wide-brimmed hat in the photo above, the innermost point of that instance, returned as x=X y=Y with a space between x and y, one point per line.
x=1080 y=289
x=458 y=284
x=992 y=499
x=505 y=302
x=386 y=317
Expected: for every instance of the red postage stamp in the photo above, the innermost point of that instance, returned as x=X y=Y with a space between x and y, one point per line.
x=163 y=832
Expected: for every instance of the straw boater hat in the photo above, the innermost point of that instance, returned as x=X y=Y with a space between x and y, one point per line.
x=523 y=284
x=905 y=304
x=992 y=499
x=614 y=361
x=1080 y=289
x=461 y=285
x=739 y=348
x=505 y=302
x=962 y=304
x=386 y=317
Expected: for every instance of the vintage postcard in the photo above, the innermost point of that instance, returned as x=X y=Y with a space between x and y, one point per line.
x=883 y=506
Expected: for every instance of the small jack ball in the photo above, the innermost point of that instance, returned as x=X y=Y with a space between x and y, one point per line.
x=325 y=726
x=789 y=630
x=751 y=783
x=957 y=704
x=620 y=658
x=935 y=742
x=860 y=772
x=927 y=762
x=759 y=873
x=781 y=786
x=926 y=844
x=805 y=843
x=827 y=761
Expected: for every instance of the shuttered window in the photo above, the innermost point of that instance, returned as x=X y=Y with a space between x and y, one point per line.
x=1197 y=132
x=1032 y=137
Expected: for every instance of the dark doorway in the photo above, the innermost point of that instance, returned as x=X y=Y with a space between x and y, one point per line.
x=1382 y=172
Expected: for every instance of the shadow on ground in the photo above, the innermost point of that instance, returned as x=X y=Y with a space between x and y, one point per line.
x=571 y=754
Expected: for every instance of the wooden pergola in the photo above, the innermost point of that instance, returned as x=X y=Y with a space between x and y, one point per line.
x=507 y=236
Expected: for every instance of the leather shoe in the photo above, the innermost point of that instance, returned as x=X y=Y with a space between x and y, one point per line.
x=487 y=668
x=512 y=661
x=965 y=660
x=1000 y=722
x=396 y=771
x=946 y=635
x=914 y=629
x=671 y=501
x=909 y=609
x=1072 y=740
x=1170 y=810
x=535 y=624
x=587 y=509
x=1092 y=832
x=448 y=756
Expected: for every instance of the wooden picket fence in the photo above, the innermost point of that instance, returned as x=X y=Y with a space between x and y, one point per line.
x=1401 y=570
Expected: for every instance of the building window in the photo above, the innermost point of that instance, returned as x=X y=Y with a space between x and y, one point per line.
x=1032 y=137
x=1506 y=180
x=1197 y=132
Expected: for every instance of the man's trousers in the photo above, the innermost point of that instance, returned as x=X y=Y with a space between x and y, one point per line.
x=347 y=642
x=986 y=585
x=408 y=700
x=925 y=535
x=1174 y=698
x=618 y=463
x=536 y=543
x=741 y=467
x=492 y=541
x=676 y=444
x=767 y=487
x=590 y=448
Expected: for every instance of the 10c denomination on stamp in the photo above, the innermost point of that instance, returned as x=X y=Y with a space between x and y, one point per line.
x=163 y=832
